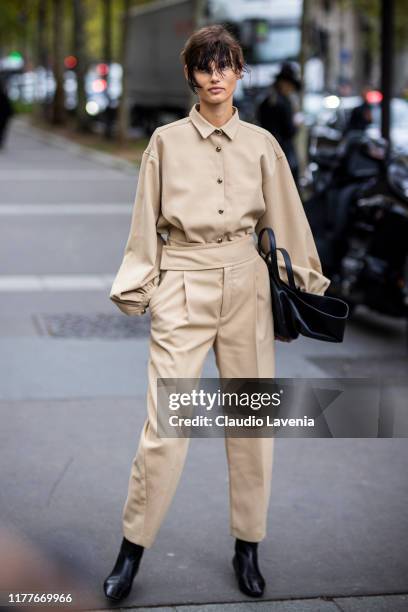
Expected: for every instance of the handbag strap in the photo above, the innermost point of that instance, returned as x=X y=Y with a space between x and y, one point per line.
x=274 y=257
x=289 y=269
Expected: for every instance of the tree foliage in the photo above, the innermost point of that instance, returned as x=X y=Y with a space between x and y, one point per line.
x=370 y=13
x=18 y=27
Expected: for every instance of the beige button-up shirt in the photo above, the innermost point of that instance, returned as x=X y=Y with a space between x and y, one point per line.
x=210 y=184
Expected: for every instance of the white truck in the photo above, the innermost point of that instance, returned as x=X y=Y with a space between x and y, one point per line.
x=268 y=30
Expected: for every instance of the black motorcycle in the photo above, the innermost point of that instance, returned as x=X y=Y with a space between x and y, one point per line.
x=359 y=217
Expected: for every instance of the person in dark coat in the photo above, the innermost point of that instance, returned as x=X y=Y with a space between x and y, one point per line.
x=361 y=116
x=6 y=111
x=275 y=114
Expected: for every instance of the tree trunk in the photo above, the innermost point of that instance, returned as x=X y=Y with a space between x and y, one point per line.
x=42 y=52
x=79 y=14
x=304 y=48
x=107 y=55
x=58 y=114
x=301 y=137
x=123 y=111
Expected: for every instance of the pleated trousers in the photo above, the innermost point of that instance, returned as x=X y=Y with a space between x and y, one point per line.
x=212 y=295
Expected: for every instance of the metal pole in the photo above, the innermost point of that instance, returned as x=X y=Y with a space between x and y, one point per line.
x=387 y=34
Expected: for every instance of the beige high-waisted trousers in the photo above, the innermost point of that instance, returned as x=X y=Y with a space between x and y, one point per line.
x=210 y=295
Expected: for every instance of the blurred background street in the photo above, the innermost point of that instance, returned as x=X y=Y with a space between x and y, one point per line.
x=73 y=368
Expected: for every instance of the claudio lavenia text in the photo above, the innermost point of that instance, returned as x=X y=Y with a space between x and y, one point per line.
x=248 y=421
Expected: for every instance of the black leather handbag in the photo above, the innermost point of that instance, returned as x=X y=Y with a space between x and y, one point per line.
x=295 y=312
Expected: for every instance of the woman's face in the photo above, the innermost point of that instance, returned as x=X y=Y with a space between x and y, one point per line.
x=214 y=86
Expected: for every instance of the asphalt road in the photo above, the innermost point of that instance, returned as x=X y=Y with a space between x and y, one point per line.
x=72 y=403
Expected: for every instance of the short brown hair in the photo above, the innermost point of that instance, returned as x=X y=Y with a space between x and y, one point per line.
x=212 y=43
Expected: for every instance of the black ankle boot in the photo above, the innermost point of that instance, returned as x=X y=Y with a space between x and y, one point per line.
x=245 y=563
x=118 y=584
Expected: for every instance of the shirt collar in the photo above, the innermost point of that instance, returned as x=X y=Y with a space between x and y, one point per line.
x=206 y=128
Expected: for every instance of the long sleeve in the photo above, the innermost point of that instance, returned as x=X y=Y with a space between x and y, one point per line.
x=138 y=274
x=285 y=214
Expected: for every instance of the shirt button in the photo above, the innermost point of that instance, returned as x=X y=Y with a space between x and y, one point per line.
x=220 y=211
x=218 y=149
x=218 y=131
x=219 y=239
x=219 y=180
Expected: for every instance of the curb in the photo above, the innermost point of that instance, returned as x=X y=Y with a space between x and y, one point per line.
x=22 y=124
x=354 y=603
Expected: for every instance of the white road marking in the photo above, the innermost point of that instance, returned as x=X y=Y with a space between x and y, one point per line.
x=63 y=175
x=49 y=282
x=65 y=209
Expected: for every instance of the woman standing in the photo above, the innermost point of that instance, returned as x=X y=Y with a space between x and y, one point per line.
x=208 y=181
